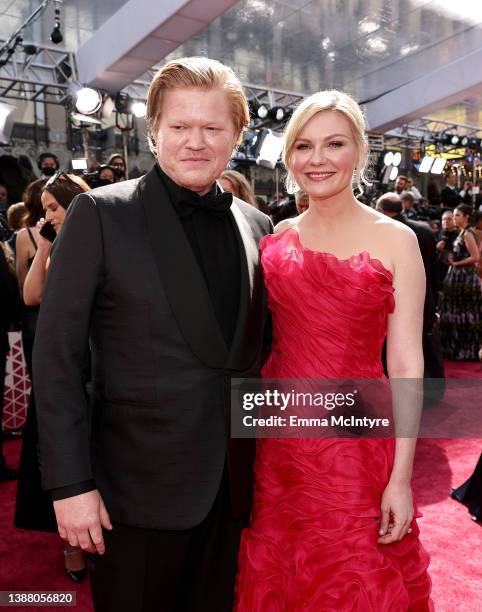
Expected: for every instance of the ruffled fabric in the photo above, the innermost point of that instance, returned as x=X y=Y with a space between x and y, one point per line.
x=312 y=542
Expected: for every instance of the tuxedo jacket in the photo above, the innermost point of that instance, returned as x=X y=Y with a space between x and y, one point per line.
x=428 y=249
x=155 y=435
x=450 y=197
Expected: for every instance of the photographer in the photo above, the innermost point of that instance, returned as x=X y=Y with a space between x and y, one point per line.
x=118 y=163
x=445 y=241
x=48 y=164
x=102 y=175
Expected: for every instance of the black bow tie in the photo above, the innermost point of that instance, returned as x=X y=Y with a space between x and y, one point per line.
x=215 y=204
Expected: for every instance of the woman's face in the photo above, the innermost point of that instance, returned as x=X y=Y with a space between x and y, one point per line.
x=324 y=155
x=460 y=219
x=118 y=162
x=107 y=175
x=53 y=211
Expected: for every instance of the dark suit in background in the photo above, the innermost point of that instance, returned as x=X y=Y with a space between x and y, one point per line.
x=125 y=275
x=450 y=197
x=9 y=308
x=432 y=349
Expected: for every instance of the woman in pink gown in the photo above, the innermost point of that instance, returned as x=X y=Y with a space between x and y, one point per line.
x=333 y=527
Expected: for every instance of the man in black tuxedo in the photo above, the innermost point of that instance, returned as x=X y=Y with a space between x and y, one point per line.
x=161 y=276
x=391 y=205
x=450 y=195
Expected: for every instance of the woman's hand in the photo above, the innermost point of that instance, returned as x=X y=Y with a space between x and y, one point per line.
x=44 y=245
x=397 y=512
x=450 y=259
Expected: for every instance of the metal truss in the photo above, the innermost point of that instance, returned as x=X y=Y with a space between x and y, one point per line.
x=254 y=93
x=42 y=75
x=428 y=130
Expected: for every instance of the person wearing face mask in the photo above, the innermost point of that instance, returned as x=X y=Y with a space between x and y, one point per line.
x=48 y=164
x=106 y=175
x=34 y=509
x=118 y=163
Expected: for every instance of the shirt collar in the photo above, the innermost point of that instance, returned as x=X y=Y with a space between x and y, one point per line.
x=178 y=194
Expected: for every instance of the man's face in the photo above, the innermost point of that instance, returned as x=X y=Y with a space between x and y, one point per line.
x=400 y=185
x=451 y=180
x=49 y=162
x=447 y=222
x=3 y=195
x=195 y=137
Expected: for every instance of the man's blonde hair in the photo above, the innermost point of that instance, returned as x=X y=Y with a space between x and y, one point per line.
x=200 y=72
x=333 y=100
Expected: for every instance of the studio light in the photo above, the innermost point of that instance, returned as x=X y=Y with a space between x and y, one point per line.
x=139 y=109
x=438 y=165
x=451 y=140
x=465 y=141
x=269 y=146
x=278 y=113
x=7 y=113
x=393 y=173
x=56 y=36
x=426 y=164
x=123 y=103
x=262 y=111
x=107 y=107
x=397 y=159
x=388 y=158
x=88 y=101
x=85 y=118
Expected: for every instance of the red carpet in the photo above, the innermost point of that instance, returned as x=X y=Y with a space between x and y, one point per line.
x=34 y=561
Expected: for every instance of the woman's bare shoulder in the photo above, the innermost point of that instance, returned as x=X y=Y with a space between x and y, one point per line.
x=391 y=228
x=22 y=236
x=285 y=224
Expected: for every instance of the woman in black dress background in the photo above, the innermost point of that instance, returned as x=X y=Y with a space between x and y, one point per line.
x=461 y=302
x=34 y=508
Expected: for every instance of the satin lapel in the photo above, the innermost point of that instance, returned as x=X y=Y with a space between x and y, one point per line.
x=240 y=355
x=180 y=274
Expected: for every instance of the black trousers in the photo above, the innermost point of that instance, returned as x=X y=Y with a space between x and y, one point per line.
x=148 y=570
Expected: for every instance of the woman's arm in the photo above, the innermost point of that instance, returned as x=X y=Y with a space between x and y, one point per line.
x=405 y=369
x=22 y=250
x=33 y=286
x=471 y=245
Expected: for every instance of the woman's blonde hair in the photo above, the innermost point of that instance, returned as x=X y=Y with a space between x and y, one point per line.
x=333 y=100
x=200 y=72
x=242 y=189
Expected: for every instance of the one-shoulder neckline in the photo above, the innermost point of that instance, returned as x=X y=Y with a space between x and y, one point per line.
x=362 y=254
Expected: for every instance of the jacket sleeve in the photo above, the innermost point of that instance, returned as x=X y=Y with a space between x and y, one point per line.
x=61 y=346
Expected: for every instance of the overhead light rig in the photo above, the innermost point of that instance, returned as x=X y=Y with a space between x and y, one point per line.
x=37 y=73
x=446 y=136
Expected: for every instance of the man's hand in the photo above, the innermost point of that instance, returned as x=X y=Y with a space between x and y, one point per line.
x=80 y=520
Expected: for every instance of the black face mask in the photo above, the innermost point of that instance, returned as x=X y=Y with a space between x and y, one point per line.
x=102 y=182
x=48 y=171
x=119 y=172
